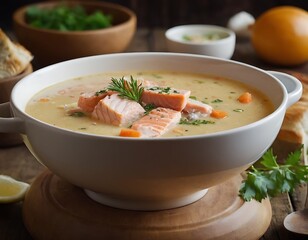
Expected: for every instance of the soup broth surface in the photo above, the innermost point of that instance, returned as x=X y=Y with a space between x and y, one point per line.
x=49 y=105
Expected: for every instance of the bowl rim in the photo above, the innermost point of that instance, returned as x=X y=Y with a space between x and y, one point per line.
x=246 y=127
x=169 y=34
x=19 y=17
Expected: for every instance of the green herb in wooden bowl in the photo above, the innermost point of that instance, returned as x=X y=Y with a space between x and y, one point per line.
x=65 y=18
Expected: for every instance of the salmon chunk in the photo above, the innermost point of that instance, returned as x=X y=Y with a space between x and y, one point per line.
x=194 y=106
x=157 y=122
x=143 y=82
x=117 y=111
x=88 y=101
x=166 y=97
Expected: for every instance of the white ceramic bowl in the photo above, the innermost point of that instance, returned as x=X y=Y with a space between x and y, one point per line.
x=149 y=174
x=6 y=86
x=222 y=48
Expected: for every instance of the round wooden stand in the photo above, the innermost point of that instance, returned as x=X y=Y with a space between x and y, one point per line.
x=55 y=209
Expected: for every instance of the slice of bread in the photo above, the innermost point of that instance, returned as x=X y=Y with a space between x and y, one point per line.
x=14 y=58
x=294 y=129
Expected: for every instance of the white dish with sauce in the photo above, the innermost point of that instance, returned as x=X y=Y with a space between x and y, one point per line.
x=148 y=174
x=207 y=40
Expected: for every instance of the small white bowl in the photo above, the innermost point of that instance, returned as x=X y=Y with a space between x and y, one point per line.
x=204 y=39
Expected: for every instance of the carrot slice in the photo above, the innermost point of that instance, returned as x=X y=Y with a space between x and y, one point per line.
x=44 y=100
x=127 y=132
x=219 y=114
x=245 y=98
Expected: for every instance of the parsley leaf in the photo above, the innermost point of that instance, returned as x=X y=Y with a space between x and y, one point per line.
x=149 y=107
x=77 y=114
x=238 y=110
x=185 y=121
x=100 y=92
x=270 y=178
x=163 y=90
x=217 y=100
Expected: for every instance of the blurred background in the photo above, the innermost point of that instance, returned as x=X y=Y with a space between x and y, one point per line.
x=168 y=13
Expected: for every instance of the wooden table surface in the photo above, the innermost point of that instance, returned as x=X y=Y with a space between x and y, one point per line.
x=19 y=163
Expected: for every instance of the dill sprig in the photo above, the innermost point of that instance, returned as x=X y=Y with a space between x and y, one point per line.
x=127 y=89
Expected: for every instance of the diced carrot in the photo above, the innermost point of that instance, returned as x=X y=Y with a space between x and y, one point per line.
x=245 y=98
x=219 y=114
x=44 y=100
x=127 y=132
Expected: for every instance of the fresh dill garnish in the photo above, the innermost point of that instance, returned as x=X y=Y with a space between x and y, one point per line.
x=217 y=100
x=269 y=178
x=148 y=108
x=100 y=92
x=238 y=110
x=77 y=114
x=185 y=121
x=127 y=89
x=193 y=97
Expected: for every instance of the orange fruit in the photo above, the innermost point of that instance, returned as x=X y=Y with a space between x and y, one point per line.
x=280 y=36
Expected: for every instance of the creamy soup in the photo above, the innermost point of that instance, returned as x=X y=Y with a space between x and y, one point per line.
x=53 y=104
x=204 y=38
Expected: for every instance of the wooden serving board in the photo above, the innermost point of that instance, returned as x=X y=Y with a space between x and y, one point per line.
x=55 y=209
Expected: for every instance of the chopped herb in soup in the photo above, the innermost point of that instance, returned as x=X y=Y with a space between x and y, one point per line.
x=138 y=104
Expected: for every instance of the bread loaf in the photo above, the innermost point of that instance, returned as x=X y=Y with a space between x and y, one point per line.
x=14 y=58
x=294 y=130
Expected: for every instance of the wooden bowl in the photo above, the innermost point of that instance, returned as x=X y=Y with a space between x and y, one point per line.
x=51 y=46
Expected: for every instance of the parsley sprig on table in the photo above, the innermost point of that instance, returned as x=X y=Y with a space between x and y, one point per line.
x=270 y=178
x=127 y=89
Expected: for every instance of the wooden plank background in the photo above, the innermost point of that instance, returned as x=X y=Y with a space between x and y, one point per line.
x=167 y=13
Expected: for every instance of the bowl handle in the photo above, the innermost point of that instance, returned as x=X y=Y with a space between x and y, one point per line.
x=9 y=124
x=292 y=84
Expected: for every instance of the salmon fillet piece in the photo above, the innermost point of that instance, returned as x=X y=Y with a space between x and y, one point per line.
x=117 y=111
x=141 y=81
x=144 y=82
x=166 y=97
x=157 y=122
x=87 y=101
x=195 y=106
